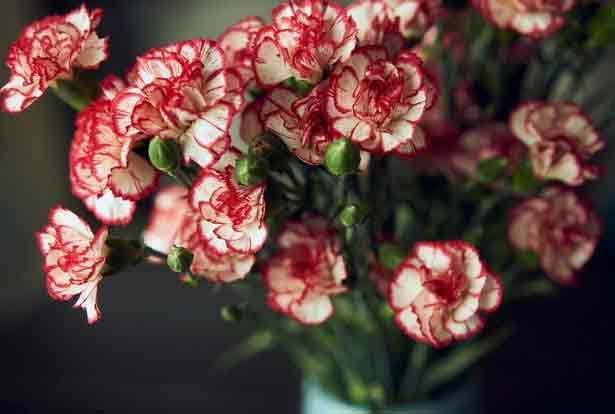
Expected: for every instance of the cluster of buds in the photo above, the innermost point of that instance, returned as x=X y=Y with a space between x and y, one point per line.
x=335 y=87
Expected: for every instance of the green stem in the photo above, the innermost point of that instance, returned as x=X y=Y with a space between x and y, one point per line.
x=74 y=93
x=182 y=177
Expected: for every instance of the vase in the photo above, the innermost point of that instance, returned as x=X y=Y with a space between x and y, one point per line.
x=463 y=399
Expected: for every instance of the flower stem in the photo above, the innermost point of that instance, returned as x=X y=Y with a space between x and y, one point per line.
x=74 y=93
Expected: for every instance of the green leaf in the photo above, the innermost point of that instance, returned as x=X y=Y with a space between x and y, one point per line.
x=529 y=260
x=533 y=288
x=523 y=179
x=601 y=28
x=459 y=360
x=256 y=343
x=491 y=169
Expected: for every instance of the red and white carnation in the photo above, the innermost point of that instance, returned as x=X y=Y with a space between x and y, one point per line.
x=377 y=103
x=389 y=23
x=534 y=18
x=238 y=44
x=174 y=223
x=104 y=173
x=440 y=290
x=299 y=121
x=48 y=50
x=181 y=92
x=306 y=271
x=73 y=259
x=230 y=216
x=306 y=37
x=560 y=228
x=561 y=139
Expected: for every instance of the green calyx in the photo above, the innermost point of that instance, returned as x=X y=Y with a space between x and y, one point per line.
x=165 y=155
x=180 y=259
x=342 y=157
x=251 y=170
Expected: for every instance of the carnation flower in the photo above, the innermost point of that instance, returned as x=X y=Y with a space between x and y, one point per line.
x=299 y=122
x=74 y=258
x=105 y=174
x=377 y=103
x=181 y=92
x=560 y=138
x=305 y=39
x=306 y=271
x=230 y=216
x=174 y=223
x=560 y=228
x=534 y=18
x=389 y=23
x=48 y=50
x=439 y=291
x=238 y=45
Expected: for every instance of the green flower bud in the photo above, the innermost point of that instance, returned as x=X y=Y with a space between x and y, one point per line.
x=188 y=280
x=390 y=255
x=342 y=157
x=300 y=87
x=251 y=170
x=351 y=215
x=164 y=154
x=179 y=259
x=232 y=313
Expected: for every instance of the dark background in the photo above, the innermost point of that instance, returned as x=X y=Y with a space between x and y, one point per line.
x=153 y=350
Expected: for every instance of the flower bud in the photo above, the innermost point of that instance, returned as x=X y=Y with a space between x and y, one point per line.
x=390 y=255
x=188 y=280
x=179 y=259
x=351 y=215
x=164 y=154
x=251 y=170
x=342 y=157
x=299 y=86
x=232 y=313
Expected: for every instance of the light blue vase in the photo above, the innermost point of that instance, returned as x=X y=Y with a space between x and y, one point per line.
x=462 y=400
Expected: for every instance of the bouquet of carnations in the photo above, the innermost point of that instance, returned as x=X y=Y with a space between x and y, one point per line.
x=372 y=180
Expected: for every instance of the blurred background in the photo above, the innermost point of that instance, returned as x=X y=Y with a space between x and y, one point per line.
x=154 y=348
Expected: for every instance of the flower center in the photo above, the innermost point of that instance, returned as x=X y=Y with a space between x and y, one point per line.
x=448 y=286
x=379 y=93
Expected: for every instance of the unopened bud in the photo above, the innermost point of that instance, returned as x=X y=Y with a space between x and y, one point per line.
x=351 y=215
x=232 y=313
x=179 y=259
x=164 y=154
x=188 y=280
x=251 y=170
x=342 y=157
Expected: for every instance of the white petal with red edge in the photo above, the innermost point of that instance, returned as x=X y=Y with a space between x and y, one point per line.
x=111 y=209
x=135 y=181
x=94 y=52
x=312 y=310
x=406 y=286
x=491 y=295
x=269 y=66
